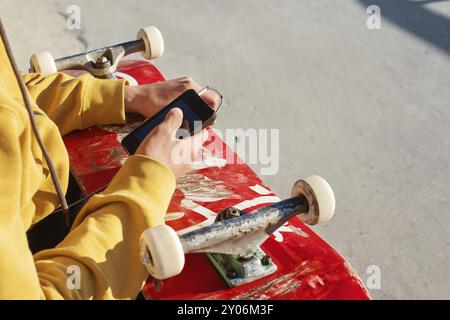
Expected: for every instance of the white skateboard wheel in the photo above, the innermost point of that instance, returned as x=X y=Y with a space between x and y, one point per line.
x=43 y=62
x=154 y=42
x=162 y=252
x=320 y=198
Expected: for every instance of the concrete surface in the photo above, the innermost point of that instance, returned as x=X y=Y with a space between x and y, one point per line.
x=368 y=110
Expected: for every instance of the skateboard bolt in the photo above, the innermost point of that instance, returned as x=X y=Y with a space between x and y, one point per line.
x=229 y=213
x=232 y=213
x=103 y=62
x=265 y=260
x=231 y=274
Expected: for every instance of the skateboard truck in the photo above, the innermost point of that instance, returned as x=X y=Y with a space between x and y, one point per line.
x=232 y=243
x=238 y=270
x=102 y=63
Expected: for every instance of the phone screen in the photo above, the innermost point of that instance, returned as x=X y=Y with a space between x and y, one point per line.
x=196 y=113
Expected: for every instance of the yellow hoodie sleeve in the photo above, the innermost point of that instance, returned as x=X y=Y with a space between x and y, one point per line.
x=104 y=241
x=78 y=103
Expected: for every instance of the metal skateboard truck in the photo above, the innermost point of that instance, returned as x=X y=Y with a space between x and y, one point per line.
x=232 y=243
x=102 y=63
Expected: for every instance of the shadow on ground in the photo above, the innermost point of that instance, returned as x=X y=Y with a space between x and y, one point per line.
x=415 y=18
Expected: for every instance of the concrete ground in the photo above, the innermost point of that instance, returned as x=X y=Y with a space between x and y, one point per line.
x=367 y=109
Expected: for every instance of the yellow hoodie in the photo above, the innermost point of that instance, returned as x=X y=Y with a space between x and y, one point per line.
x=104 y=240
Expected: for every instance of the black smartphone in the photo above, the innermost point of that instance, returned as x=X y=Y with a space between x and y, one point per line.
x=196 y=113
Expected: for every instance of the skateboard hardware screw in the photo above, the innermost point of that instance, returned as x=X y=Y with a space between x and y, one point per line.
x=232 y=213
x=229 y=213
x=231 y=274
x=265 y=261
x=103 y=62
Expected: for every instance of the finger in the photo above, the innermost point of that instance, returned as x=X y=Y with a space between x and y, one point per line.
x=173 y=120
x=183 y=79
x=195 y=143
x=189 y=83
x=212 y=124
x=205 y=136
x=211 y=99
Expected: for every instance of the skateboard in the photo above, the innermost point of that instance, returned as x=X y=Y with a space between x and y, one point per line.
x=227 y=235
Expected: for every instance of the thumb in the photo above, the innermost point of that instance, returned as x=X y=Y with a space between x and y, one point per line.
x=173 y=119
x=196 y=142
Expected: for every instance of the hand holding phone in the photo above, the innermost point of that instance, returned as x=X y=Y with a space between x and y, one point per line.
x=162 y=145
x=196 y=115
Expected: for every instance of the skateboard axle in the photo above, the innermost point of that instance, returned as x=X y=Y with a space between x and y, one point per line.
x=100 y=62
x=254 y=227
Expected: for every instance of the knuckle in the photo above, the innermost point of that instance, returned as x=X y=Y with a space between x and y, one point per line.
x=188 y=82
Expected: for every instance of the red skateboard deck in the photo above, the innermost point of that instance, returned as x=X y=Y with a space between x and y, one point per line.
x=308 y=267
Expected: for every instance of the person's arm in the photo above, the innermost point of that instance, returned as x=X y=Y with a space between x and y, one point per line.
x=104 y=241
x=78 y=103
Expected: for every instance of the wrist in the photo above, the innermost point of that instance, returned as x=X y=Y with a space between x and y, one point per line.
x=130 y=98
